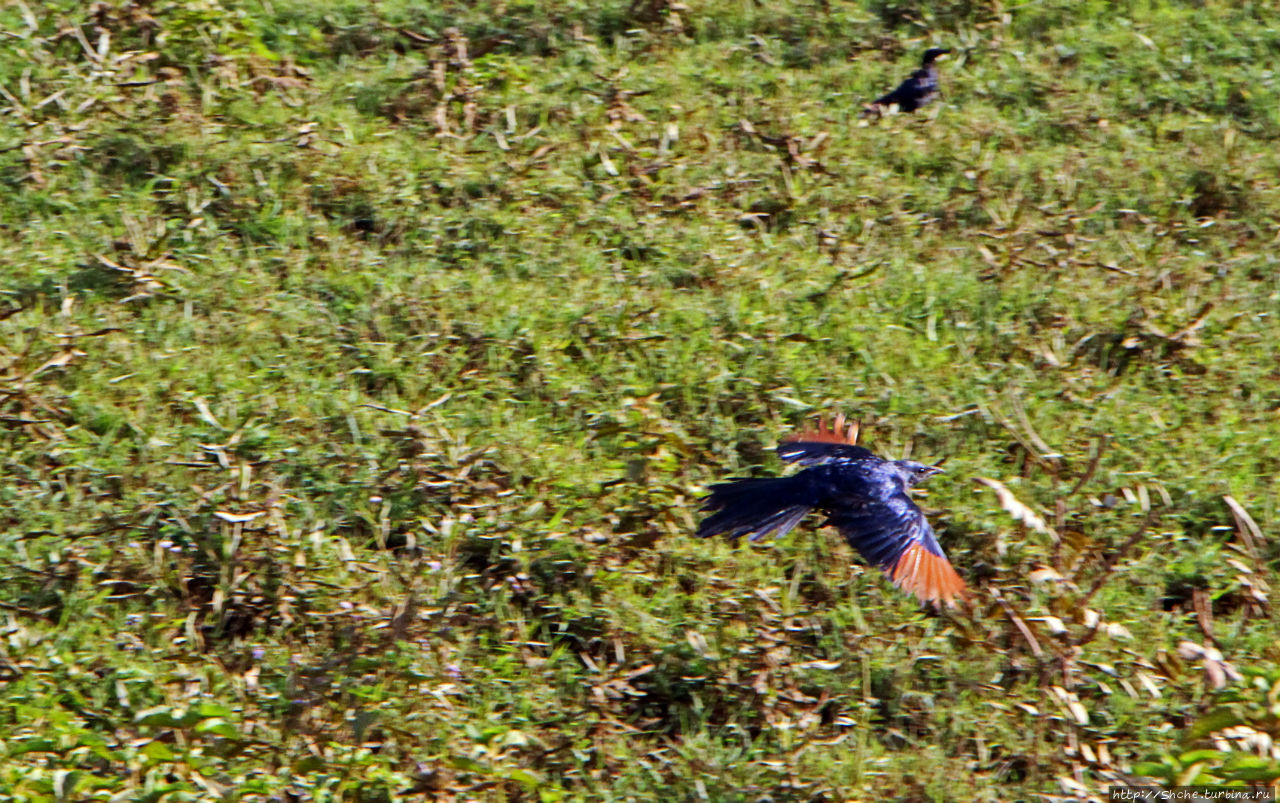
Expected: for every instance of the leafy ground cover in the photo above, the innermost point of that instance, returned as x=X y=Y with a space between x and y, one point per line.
x=361 y=365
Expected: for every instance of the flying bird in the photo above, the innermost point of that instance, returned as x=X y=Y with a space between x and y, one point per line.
x=864 y=496
x=921 y=88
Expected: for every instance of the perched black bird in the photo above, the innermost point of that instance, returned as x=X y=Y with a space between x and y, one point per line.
x=916 y=91
x=863 y=496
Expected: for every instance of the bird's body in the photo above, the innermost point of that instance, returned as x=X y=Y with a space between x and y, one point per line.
x=864 y=496
x=918 y=90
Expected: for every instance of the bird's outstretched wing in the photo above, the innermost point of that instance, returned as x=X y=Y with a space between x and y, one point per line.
x=756 y=507
x=823 y=444
x=894 y=535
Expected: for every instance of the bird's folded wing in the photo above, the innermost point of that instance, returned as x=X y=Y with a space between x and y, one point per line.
x=811 y=453
x=904 y=95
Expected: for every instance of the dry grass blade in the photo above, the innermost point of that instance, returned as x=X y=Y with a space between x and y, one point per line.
x=1027 y=437
x=1016 y=508
x=62 y=358
x=1046 y=451
x=1204 y=614
x=1249 y=530
x=1216 y=668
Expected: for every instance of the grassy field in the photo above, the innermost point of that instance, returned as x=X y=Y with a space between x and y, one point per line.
x=362 y=365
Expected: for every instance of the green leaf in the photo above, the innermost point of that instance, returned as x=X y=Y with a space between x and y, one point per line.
x=1215 y=720
x=1154 y=769
x=34 y=746
x=1212 y=756
x=1245 y=767
x=158 y=751
x=160 y=716
x=468 y=764
x=219 y=727
x=526 y=777
x=209 y=710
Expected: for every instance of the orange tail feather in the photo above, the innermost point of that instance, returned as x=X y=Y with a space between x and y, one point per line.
x=930 y=577
x=838 y=432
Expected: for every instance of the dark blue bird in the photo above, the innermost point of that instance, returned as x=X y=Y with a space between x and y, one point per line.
x=863 y=496
x=921 y=88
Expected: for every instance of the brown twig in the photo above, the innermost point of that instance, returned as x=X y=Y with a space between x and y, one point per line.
x=1027 y=635
x=1110 y=565
x=1098 y=448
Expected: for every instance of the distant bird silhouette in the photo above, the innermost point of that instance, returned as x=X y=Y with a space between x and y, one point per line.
x=863 y=496
x=921 y=88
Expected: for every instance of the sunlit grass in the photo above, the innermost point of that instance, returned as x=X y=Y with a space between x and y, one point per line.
x=357 y=392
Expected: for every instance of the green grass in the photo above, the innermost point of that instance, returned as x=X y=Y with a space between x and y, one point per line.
x=468 y=303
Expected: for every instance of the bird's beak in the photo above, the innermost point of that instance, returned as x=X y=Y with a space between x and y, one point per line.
x=937 y=469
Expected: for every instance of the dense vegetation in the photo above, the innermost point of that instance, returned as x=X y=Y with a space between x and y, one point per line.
x=361 y=366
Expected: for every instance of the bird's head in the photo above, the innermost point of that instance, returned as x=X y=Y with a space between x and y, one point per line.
x=913 y=472
x=933 y=54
